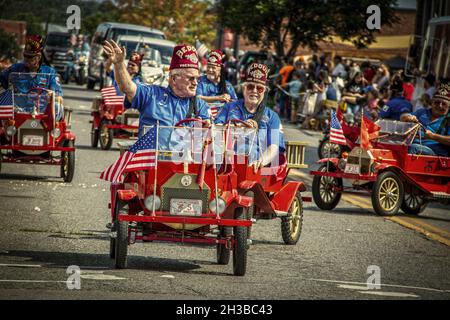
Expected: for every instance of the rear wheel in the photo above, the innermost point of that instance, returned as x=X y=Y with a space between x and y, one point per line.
x=94 y=137
x=291 y=226
x=240 y=245
x=387 y=194
x=68 y=162
x=413 y=203
x=106 y=135
x=223 y=253
x=327 y=149
x=325 y=189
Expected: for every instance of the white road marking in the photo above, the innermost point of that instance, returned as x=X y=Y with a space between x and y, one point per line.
x=345 y=286
x=383 y=285
x=101 y=277
x=15 y=265
x=389 y=294
x=168 y=276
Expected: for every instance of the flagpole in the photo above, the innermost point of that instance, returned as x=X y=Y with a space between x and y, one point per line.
x=156 y=168
x=215 y=170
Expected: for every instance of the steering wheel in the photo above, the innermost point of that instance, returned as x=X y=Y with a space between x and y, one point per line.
x=238 y=121
x=179 y=123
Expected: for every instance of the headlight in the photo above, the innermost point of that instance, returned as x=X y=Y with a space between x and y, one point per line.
x=221 y=206
x=341 y=164
x=55 y=133
x=11 y=130
x=148 y=202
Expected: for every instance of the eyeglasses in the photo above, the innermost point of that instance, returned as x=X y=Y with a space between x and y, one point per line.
x=131 y=64
x=251 y=87
x=189 y=78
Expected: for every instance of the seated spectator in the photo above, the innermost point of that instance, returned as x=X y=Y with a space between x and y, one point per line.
x=397 y=104
x=436 y=139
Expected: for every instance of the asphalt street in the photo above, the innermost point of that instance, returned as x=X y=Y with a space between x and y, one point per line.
x=47 y=225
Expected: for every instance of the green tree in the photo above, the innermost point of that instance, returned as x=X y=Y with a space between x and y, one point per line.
x=8 y=46
x=285 y=24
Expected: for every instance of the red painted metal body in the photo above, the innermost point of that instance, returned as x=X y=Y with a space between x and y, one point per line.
x=14 y=150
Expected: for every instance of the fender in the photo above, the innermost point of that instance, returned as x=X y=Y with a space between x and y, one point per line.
x=383 y=167
x=260 y=197
x=68 y=135
x=283 y=199
x=334 y=161
x=126 y=195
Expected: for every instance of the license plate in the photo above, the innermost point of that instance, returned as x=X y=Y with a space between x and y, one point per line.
x=185 y=207
x=36 y=141
x=352 y=168
x=133 y=122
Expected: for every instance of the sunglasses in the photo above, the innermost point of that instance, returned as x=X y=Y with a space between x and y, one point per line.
x=251 y=87
x=189 y=78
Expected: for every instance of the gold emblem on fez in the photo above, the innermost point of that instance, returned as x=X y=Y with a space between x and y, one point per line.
x=256 y=74
x=192 y=57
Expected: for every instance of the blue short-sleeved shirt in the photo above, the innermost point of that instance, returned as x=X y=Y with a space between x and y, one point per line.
x=394 y=108
x=424 y=117
x=207 y=88
x=160 y=103
x=269 y=127
x=47 y=78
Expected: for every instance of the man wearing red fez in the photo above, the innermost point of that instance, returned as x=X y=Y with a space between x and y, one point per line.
x=155 y=103
x=34 y=62
x=436 y=139
x=252 y=110
x=213 y=86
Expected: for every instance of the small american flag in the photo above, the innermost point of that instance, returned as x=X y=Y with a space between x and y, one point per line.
x=336 y=133
x=110 y=96
x=6 y=105
x=202 y=49
x=141 y=156
x=215 y=109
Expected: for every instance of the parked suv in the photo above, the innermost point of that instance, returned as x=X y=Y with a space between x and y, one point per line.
x=56 y=47
x=112 y=31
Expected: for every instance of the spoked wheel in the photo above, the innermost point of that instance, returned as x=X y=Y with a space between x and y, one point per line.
x=94 y=137
x=121 y=240
x=329 y=150
x=106 y=135
x=387 y=194
x=326 y=190
x=223 y=253
x=240 y=246
x=413 y=203
x=68 y=162
x=291 y=226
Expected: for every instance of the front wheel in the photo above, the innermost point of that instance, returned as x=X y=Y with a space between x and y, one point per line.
x=291 y=225
x=387 y=194
x=223 y=253
x=68 y=162
x=326 y=190
x=240 y=246
x=94 y=137
x=106 y=135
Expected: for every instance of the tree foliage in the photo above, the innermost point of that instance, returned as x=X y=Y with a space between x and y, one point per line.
x=285 y=24
x=8 y=46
